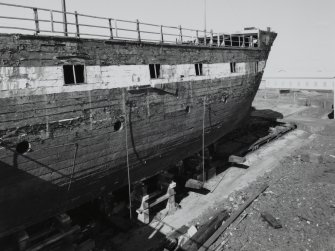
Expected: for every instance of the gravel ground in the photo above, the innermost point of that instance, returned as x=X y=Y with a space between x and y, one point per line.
x=301 y=196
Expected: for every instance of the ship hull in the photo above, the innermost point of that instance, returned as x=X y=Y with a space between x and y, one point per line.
x=80 y=140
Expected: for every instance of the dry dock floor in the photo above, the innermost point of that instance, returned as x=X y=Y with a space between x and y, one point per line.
x=300 y=170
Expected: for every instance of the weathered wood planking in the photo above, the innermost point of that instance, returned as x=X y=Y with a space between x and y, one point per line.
x=26 y=50
x=160 y=130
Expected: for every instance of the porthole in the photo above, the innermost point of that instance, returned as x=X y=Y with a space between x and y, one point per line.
x=188 y=109
x=118 y=126
x=23 y=147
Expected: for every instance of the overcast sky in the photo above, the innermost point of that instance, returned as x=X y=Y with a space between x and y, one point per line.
x=306 y=33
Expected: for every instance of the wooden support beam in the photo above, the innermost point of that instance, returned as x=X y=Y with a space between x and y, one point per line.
x=143 y=211
x=55 y=238
x=194 y=184
x=231 y=219
x=236 y=159
x=271 y=220
x=204 y=232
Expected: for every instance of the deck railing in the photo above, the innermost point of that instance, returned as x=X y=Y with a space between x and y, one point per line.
x=46 y=21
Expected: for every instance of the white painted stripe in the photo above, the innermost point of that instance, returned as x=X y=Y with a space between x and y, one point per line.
x=21 y=81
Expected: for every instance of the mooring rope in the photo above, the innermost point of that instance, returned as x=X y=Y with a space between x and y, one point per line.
x=128 y=167
x=73 y=165
x=203 y=140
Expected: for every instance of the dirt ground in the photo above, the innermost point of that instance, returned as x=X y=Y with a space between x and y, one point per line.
x=301 y=195
x=300 y=171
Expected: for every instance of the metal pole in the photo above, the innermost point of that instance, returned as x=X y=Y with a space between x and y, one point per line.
x=37 y=26
x=162 y=38
x=110 y=28
x=64 y=17
x=52 y=21
x=197 y=38
x=205 y=15
x=115 y=25
x=138 y=30
x=77 y=23
x=211 y=39
x=205 y=28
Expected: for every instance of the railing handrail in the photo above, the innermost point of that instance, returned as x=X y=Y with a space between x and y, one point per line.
x=113 y=25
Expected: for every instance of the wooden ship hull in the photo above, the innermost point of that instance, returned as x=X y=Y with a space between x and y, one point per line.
x=64 y=145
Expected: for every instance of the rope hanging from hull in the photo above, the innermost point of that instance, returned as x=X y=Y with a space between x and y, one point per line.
x=127 y=155
x=203 y=140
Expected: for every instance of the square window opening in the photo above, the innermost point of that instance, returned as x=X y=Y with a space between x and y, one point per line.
x=233 y=67
x=256 y=67
x=155 y=70
x=74 y=74
x=198 y=69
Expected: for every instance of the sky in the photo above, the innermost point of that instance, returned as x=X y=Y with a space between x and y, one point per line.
x=306 y=33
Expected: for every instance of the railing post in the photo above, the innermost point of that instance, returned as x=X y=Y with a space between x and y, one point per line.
x=138 y=30
x=259 y=38
x=180 y=34
x=211 y=41
x=37 y=25
x=116 y=31
x=218 y=39
x=64 y=17
x=197 y=38
x=52 y=21
x=110 y=28
x=162 y=38
x=77 y=23
x=205 y=37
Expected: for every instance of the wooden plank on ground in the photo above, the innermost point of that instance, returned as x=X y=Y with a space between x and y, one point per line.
x=194 y=184
x=204 y=232
x=271 y=220
x=231 y=219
